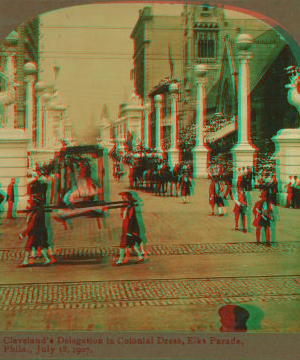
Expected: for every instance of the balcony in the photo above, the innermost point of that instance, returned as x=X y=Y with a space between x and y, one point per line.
x=218 y=127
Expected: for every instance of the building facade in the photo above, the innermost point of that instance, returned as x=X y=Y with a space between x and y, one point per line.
x=20 y=47
x=32 y=114
x=207 y=37
x=158 y=48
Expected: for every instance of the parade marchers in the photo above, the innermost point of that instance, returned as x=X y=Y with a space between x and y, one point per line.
x=150 y=171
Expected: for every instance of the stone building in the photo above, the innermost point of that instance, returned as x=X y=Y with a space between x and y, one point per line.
x=204 y=35
x=19 y=49
x=158 y=48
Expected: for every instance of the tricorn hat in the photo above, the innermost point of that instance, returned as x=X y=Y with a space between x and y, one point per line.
x=128 y=195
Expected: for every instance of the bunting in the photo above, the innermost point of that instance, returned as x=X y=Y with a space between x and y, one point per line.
x=171 y=61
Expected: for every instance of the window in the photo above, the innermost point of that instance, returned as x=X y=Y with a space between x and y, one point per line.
x=207 y=44
x=211 y=48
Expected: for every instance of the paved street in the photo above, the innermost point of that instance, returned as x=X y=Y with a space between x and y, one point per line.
x=197 y=263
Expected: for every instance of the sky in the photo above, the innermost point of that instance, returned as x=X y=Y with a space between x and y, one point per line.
x=92 y=46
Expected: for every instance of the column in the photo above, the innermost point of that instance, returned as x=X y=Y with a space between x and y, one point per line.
x=147 y=127
x=64 y=123
x=123 y=130
x=115 y=135
x=158 y=121
x=39 y=87
x=30 y=70
x=61 y=122
x=173 y=153
x=200 y=152
x=48 y=132
x=128 y=127
x=243 y=152
x=122 y=136
x=11 y=101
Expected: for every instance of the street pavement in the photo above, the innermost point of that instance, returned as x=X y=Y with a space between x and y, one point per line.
x=196 y=264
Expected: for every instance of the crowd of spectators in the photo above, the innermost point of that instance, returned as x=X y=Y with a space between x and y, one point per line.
x=217 y=122
x=265 y=162
x=293 y=192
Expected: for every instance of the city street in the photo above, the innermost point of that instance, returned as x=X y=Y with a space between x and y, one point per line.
x=174 y=92
x=197 y=263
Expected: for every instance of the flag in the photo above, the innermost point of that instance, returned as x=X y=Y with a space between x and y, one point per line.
x=56 y=71
x=132 y=74
x=171 y=61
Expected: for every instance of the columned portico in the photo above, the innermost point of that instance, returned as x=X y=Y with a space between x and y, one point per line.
x=243 y=152
x=200 y=152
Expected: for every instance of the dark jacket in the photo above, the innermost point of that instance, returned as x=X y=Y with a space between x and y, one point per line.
x=130 y=223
